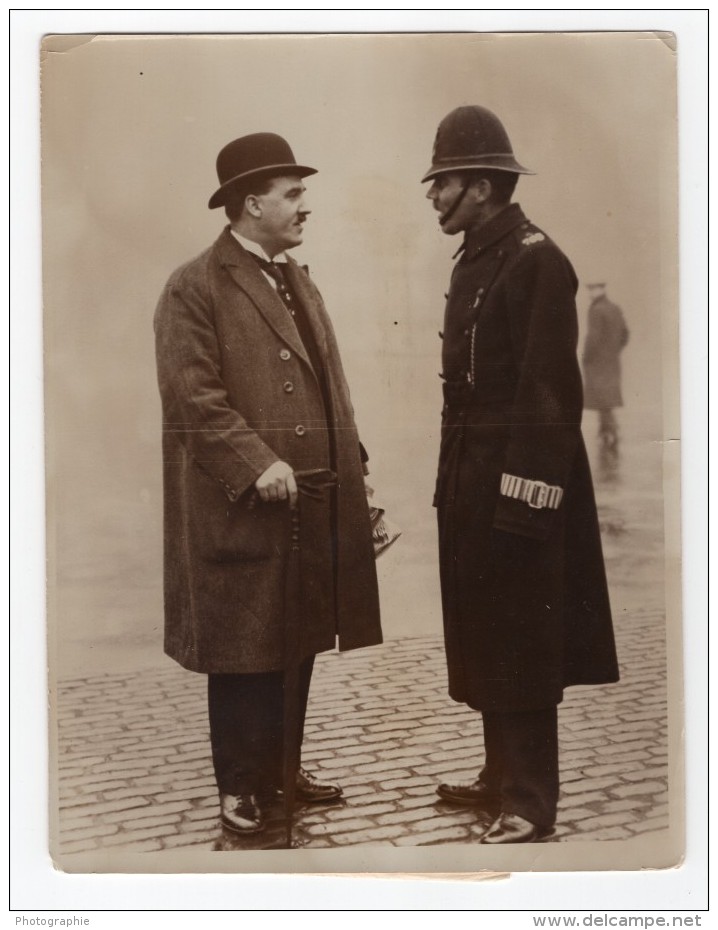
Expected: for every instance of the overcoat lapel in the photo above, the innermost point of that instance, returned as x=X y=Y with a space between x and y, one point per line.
x=247 y=276
x=300 y=284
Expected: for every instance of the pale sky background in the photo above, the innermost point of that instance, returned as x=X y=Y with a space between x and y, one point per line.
x=131 y=131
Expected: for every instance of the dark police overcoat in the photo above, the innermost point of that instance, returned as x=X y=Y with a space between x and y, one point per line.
x=606 y=337
x=525 y=600
x=238 y=394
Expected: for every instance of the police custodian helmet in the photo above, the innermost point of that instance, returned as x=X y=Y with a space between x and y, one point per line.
x=472 y=137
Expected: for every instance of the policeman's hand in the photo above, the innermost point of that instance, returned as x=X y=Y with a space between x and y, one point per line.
x=277 y=484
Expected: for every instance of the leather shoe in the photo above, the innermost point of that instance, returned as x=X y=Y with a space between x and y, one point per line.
x=311 y=791
x=474 y=793
x=510 y=828
x=240 y=813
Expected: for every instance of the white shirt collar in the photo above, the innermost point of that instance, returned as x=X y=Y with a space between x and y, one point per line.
x=257 y=249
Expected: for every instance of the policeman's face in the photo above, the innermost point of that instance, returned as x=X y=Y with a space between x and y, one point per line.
x=445 y=190
x=281 y=214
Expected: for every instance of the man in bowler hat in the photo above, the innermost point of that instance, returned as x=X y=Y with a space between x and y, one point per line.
x=254 y=396
x=525 y=601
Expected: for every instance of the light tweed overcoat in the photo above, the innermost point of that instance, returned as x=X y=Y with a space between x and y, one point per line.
x=239 y=393
x=606 y=338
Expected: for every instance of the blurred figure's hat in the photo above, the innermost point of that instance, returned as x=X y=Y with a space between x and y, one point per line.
x=259 y=154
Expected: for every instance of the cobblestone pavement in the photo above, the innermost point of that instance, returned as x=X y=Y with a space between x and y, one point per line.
x=135 y=772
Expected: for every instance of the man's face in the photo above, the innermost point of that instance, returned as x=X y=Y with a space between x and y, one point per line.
x=283 y=212
x=443 y=193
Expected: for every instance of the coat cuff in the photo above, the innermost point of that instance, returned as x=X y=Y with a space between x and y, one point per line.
x=514 y=514
x=537 y=494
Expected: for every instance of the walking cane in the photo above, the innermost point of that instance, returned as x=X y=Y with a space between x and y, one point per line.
x=312 y=483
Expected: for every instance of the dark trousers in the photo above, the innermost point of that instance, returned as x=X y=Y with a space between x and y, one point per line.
x=522 y=763
x=246 y=727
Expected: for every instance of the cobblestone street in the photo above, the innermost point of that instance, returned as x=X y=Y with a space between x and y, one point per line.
x=136 y=772
x=134 y=763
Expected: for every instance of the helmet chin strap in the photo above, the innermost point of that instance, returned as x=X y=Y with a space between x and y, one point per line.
x=456 y=204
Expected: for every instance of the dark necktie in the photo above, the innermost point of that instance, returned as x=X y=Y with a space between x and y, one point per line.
x=304 y=329
x=276 y=273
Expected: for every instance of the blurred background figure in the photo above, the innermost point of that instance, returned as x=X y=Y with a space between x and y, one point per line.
x=606 y=337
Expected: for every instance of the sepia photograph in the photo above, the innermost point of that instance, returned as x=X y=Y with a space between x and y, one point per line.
x=361 y=400
x=276 y=304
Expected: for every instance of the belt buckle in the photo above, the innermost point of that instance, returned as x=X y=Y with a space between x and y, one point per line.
x=538 y=495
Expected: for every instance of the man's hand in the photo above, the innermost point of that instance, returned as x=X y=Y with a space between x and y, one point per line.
x=277 y=484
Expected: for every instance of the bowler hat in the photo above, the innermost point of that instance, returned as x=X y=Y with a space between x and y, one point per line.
x=259 y=154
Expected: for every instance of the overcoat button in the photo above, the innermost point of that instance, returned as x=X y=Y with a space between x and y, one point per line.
x=299 y=430
x=285 y=354
x=288 y=387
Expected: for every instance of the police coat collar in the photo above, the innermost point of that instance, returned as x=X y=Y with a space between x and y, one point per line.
x=480 y=238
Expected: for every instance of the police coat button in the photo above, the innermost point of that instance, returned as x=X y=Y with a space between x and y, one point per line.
x=288 y=387
x=299 y=430
x=285 y=354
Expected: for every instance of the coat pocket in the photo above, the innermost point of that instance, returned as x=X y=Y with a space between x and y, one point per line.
x=224 y=531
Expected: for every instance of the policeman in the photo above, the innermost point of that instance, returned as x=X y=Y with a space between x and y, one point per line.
x=524 y=595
